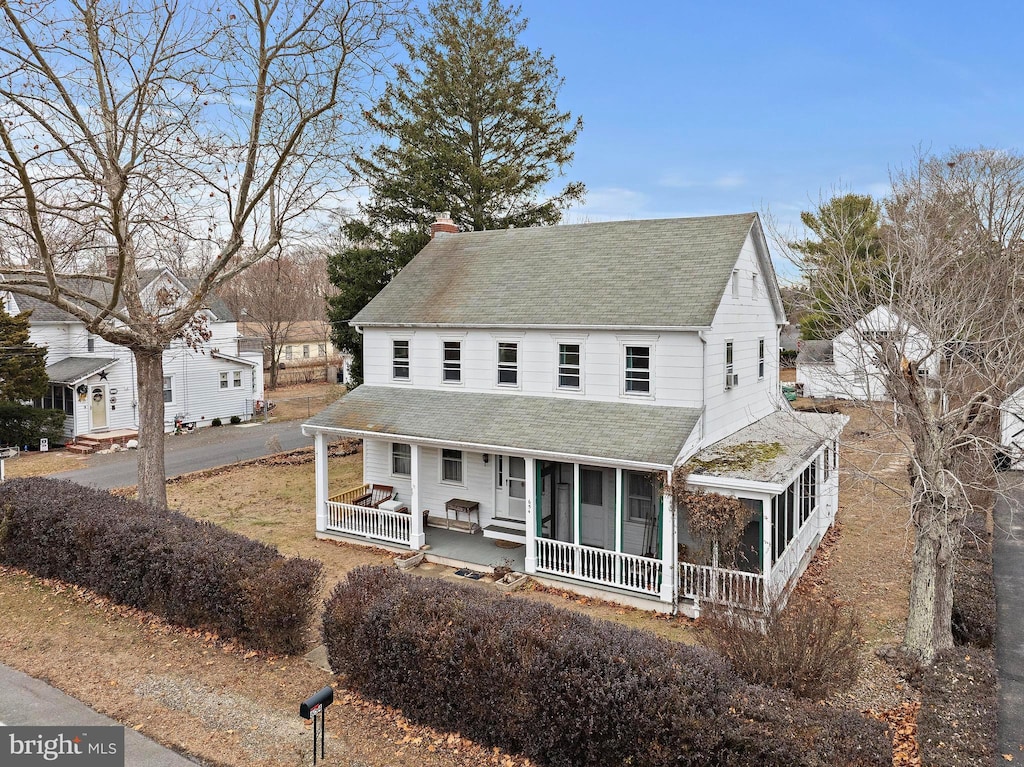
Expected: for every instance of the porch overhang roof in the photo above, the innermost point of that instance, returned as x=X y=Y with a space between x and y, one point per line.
x=642 y=435
x=72 y=370
x=768 y=452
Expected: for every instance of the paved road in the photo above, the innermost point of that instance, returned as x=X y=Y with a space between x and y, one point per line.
x=203 y=449
x=28 y=701
x=1008 y=567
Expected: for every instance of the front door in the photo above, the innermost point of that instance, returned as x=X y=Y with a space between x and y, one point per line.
x=511 y=487
x=98 y=403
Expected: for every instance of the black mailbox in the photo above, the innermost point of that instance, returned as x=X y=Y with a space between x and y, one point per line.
x=316 y=703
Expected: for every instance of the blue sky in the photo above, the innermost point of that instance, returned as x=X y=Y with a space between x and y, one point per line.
x=705 y=108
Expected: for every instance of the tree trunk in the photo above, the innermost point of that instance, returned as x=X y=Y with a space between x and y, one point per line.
x=149 y=365
x=929 y=622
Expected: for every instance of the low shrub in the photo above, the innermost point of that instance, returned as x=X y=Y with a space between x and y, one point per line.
x=215 y=422
x=235 y=420
x=26 y=425
x=191 y=573
x=810 y=648
x=564 y=689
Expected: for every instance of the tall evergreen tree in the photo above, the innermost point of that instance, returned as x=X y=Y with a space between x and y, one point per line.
x=22 y=364
x=849 y=251
x=471 y=125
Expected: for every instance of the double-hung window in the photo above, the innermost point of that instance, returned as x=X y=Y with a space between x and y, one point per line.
x=451 y=365
x=569 y=371
x=401 y=459
x=168 y=390
x=223 y=380
x=236 y=379
x=508 y=363
x=638 y=370
x=400 y=360
x=451 y=466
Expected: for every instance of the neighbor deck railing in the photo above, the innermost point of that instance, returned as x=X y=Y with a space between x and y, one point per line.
x=607 y=568
x=716 y=585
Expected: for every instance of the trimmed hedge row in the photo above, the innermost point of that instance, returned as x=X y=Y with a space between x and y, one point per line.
x=191 y=573
x=567 y=690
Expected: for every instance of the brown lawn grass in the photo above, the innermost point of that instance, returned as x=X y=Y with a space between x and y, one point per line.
x=41 y=464
x=301 y=401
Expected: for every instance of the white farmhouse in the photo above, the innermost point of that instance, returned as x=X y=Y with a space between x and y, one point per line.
x=845 y=367
x=532 y=395
x=94 y=381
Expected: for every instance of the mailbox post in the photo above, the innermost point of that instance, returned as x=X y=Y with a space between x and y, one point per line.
x=313 y=707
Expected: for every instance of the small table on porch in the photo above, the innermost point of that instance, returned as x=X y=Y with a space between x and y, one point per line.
x=461 y=506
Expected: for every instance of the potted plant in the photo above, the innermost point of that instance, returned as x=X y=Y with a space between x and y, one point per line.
x=506 y=579
x=409 y=561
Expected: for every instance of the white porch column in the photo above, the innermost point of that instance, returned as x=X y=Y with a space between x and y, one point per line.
x=576 y=520
x=768 y=542
x=320 y=479
x=531 y=516
x=668 y=544
x=416 y=535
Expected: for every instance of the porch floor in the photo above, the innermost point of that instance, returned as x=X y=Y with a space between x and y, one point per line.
x=455 y=548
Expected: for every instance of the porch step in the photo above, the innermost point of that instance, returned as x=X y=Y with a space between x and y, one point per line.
x=81 y=449
x=502 y=533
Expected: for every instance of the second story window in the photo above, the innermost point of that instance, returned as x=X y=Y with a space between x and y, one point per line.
x=736 y=283
x=760 y=359
x=638 y=370
x=508 y=364
x=569 y=366
x=90 y=344
x=451 y=366
x=400 y=360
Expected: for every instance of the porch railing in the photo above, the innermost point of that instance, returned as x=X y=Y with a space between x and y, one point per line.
x=732 y=588
x=366 y=521
x=608 y=568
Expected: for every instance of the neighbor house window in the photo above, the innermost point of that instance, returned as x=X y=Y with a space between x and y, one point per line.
x=223 y=380
x=508 y=364
x=730 y=379
x=288 y=352
x=400 y=360
x=236 y=379
x=760 y=358
x=451 y=366
x=321 y=350
x=168 y=391
x=569 y=366
x=736 y=283
x=451 y=466
x=90 y=345
x=638 y=369
x=401 y=459
x=305 y=350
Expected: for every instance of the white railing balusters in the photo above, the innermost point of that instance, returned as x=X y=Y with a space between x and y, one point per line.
x=732 y=588
x=366 y=521
x=608 y=568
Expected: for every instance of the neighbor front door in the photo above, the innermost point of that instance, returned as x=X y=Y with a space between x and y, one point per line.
x=98 y=402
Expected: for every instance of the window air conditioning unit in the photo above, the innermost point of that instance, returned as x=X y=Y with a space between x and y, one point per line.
x=731 y=380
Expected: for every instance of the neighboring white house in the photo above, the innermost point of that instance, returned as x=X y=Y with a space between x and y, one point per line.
x=546 y=386
x=94 y=381
x=845 y=367
x=1011 y=430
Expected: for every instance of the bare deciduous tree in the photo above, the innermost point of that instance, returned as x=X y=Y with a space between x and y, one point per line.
x=141 y=132
x=950 y=269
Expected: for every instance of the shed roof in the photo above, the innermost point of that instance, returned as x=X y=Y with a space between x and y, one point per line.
x=642 y=434
x=656 y=273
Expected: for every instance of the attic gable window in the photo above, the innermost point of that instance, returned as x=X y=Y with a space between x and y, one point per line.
x=400 y=360
x=451 y=365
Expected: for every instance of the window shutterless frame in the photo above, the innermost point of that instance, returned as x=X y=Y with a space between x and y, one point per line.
x=400 y=362
x=638 y=370
x=508 y=363
x=451 y=361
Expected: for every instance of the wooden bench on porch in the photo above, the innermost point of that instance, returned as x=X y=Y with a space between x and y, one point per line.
x=371 y=495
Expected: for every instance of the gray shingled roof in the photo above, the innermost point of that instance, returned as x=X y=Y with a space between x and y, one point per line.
x=616 y=431
x=815 y=353
x=797 y=434
x=71 y=370
x=659 y=273
x=45 y=312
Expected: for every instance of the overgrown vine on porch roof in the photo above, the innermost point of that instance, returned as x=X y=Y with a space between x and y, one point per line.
x=720 y=519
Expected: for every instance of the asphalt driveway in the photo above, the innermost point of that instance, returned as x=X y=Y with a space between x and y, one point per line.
x=1008 y=568
x=203 y=449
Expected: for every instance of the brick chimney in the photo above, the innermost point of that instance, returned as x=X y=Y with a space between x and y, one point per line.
x=110 y=261
x=443 y=225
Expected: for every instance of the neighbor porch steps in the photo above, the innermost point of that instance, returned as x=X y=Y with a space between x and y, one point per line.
x=506 y=531
x=90 y=443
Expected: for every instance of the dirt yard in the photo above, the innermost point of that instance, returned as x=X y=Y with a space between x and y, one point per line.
x=231 y=707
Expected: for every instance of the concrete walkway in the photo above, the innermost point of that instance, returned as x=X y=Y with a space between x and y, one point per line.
x=28 y=701
x=1008 y=567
